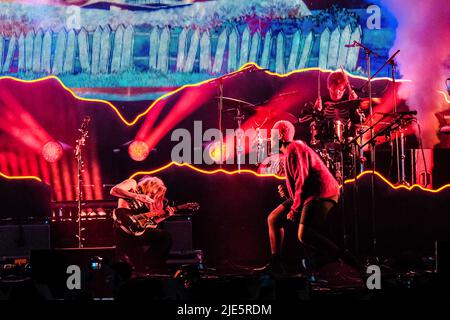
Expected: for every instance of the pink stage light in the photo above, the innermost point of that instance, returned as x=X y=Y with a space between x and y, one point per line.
x=52 y=151
x=214 y=152
x=138 y=150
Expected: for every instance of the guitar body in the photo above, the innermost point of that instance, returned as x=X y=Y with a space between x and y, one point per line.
x=137 y=224
x=133 y=224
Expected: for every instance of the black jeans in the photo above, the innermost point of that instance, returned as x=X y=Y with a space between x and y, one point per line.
x=146 y=252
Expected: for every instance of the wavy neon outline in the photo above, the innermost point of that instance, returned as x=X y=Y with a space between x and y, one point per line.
x=259 y=175
x=173 y=163
x=393 y=186
x=20 y=177
x=245 y=66
x=190 y=166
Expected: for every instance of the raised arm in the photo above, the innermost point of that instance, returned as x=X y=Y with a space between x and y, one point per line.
x=121 y=190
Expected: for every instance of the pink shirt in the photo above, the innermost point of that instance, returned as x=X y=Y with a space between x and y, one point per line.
x=307 y=176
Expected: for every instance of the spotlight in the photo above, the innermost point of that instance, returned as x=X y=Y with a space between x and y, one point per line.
x=214 y=152
x=52 y=151
x=138 y=150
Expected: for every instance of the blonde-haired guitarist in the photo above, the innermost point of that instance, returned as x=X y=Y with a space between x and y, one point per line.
x=136 y=198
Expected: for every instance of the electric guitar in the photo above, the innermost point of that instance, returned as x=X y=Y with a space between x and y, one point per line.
x=137 y=224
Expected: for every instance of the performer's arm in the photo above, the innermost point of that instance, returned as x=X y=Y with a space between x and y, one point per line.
x=298 y=164
x=351 y=93
x=318 y=104
x=121 y=190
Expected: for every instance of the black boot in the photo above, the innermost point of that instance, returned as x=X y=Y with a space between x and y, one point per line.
x=274 y=266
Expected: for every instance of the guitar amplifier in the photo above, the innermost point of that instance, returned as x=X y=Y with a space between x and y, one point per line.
x=180 y=228
x=17 y=241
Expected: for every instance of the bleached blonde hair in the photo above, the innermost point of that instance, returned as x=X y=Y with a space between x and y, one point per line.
x=154 y=188
x=285 y=130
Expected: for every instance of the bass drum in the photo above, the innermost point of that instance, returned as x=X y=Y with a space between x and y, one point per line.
x=329 y=132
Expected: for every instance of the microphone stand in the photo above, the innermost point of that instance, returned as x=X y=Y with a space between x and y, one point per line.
x=373 y=144
x=368 y=53
x=399 y=138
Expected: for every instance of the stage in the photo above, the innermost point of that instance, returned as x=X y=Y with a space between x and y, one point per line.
x=212 y=151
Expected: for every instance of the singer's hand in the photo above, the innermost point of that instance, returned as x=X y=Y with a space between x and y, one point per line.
x=318 y=104
x=291 y=216
x=281 y=191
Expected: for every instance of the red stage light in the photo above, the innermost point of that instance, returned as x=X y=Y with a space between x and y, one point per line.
x=52 y=151
x=214 y=152
x=138 y=150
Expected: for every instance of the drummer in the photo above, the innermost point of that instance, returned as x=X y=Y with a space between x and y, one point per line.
x=339 y=90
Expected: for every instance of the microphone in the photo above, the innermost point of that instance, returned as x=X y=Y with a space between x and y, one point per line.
x=391 y=59
x=350 y=45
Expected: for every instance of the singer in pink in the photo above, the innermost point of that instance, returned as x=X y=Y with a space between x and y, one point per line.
x=313 y=192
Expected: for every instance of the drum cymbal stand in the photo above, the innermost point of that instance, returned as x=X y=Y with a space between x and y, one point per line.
x=220 y=99
x=400 y=134
x=239 y=118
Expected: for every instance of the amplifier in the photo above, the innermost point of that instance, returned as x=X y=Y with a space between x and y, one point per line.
x=17 y=241
x=180 y=228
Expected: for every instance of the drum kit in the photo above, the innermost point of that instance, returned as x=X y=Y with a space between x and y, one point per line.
x=339 y=141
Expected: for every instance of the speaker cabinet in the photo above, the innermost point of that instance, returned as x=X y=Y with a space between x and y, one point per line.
x=180 y=228
x=17 y=241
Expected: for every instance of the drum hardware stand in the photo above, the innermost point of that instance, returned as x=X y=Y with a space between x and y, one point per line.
x=219 y=112
x=239 y=117
x=80 y=169
x=400 y=135
x=220 y=103
x=260 y=149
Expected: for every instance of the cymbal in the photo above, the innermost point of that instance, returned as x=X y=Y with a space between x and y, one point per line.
x=231 y=101
x=283 y=115
x=346 y=104
x=364 y=102
x=243 y=109
x=268 y=118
